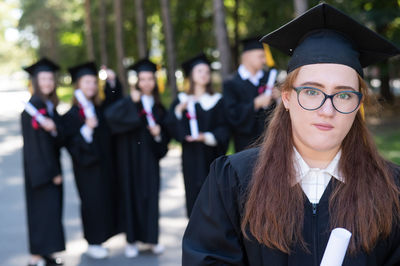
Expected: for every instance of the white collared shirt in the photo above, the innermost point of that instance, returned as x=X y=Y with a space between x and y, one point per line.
x=314 y=181
x=245 y=74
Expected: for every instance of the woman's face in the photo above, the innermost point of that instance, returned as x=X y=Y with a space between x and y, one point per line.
x=88 y=85
x=146 y=82
x=46 y=82
x=325 y=128
x=201 y=74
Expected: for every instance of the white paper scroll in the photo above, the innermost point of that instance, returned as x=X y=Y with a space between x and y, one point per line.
x=194 y=127
x=86 y=105
x=147 y=106
x=32 y=111
x=336 y=247
x=271 y=81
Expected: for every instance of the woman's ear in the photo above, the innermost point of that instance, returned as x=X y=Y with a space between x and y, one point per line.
x=285 y=95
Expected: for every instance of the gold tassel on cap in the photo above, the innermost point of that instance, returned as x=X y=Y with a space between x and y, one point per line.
x=160 y=79
x=268 y=56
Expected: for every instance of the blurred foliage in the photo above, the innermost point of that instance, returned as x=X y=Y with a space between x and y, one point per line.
x=388 y=143
x=55 y=28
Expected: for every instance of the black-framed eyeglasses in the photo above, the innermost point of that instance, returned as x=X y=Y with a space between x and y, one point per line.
x=344 y=102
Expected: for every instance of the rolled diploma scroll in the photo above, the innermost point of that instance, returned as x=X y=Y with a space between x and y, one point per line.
x=271 y=81
x=336 y=247
x=32 y=111
x=85 y=104
x=147 y=107
x=194 y=127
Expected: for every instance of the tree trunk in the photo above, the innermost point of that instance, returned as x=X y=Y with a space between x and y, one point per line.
x=141 y=28
x=169 y=39
x=88 y=32
x=222 y=37
x=103 y=33
x=386 y=94
x=119 y=42
x=300 y=6
x=235 y=46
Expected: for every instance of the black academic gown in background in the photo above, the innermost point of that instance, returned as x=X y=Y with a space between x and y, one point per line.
x=138 y=156
x=41 y=159
x=112 y=94
x=94 y=177
x=197 y=156
x=214 y=237
x=247 y=125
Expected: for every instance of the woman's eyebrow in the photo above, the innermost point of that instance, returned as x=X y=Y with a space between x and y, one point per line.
x=316 y=84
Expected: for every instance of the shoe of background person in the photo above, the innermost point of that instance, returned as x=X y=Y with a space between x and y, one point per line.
x=157 y=249
x=97 y=252
x=131 y=251
x=53 y=261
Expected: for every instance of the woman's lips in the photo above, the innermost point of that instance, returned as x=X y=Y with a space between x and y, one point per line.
x=323 y=127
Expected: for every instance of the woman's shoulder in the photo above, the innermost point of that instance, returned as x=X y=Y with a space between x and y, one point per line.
x=237 y=167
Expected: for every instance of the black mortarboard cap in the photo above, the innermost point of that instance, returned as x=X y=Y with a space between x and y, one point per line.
x=188 y=65
x=251 y=43
x=43 y=64
x=144 y=65
x=78 y=71
x=324 y=34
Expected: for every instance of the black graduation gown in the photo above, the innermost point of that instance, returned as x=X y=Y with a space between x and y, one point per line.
x=41 y=159
x=247 y=125
x=112 y=94
x=93 y=176
x=138 y=156
x=213 y=235
x=197 y=156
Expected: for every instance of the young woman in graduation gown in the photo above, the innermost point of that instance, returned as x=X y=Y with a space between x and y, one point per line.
x=88 y=142
x=43 y=177
x=138 y=124
x=198 y=151
x=317 y=168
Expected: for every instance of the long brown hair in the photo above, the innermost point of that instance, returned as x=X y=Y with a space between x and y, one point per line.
x=52 y=96
x=274 y=207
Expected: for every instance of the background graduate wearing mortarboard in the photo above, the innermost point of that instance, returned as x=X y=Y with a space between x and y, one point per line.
x=88 y=142
x=317 y=169
x=137 y=122
x=247 y=107
x=41 y=153
x=213 y=136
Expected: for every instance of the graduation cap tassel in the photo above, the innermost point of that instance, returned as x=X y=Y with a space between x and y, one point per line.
x=268 y=55
x=160 y=80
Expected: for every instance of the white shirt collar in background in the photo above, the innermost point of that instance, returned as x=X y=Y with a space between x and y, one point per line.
x=245 y=74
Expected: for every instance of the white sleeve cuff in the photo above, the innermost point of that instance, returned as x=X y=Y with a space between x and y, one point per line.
x=178 y=115
x=209 y=139
x=157 y=138
x=87 y=133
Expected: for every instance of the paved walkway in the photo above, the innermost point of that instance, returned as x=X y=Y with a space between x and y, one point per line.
x=13 y=234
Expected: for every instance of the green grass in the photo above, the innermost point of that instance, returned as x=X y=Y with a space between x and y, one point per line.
x=388 y=143
x=65 y=93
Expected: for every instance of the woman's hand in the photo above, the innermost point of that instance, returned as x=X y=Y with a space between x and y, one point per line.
x=200 y=138
x=155 y=131
x=91 y=122
x=181 y=107
x=49 y=125
x=135 y=95
x=57 y=180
